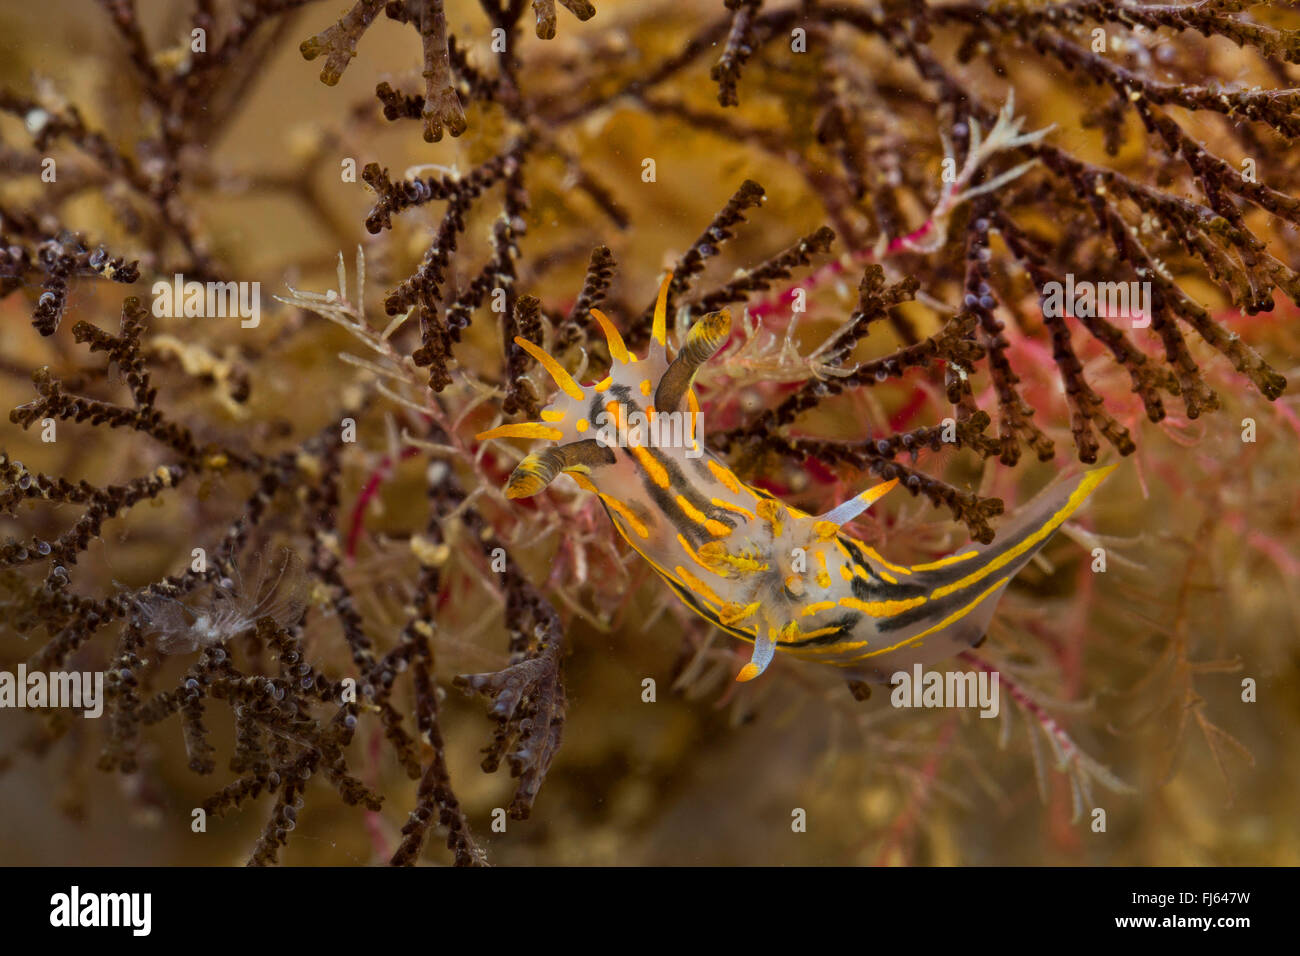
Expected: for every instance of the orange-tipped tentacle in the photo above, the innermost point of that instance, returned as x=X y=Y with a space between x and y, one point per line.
x=617 y=349
x=842 y=514
x=562 y=378
x=659 y=330
x=765 y=650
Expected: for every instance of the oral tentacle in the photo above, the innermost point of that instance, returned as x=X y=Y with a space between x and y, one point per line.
x=539 y=469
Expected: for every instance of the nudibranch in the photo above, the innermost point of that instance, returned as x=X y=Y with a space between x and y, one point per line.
x=759 y=569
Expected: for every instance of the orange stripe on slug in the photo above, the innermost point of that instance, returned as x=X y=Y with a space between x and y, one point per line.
x=820 y=632
x=658 y=474
x=789 y=634
x=881 y=608
x=724 y=476
x=521 y=430
x=698 y=586
x=823 y=576
x=716 y=553
x=624 y=512
x=875 y=556
x=944 y=562
x=730 y=614
x=694 y=555
x=863 y=573
x=950 y=619
x=712 y=554
x=712 y=526
x=770 y=511
x=812 y=609
x=719 y=503
x=838 y=647
x=1090 y=481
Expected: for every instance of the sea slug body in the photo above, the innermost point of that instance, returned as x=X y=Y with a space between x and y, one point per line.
x=753 y=566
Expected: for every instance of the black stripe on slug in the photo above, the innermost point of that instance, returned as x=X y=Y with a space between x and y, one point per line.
x=843 y=626
x=678 y=483
x=682 y=485
x=670 y=512
x=879 y=589
x=858 y=558
x=928 y=611
x=933 y=580
x=702 y=470
x=864 y=590
x=690 y=600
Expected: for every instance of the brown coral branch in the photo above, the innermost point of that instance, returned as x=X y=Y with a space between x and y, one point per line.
x=339 y=41
x=739 y=48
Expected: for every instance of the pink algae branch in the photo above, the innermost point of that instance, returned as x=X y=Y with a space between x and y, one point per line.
x=1274 y=550
x=357 y=519
x=1048 y=723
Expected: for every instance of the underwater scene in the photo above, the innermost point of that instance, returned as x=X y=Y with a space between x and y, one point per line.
x=649 y=433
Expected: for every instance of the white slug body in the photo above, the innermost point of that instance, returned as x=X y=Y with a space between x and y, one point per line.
x=761 y=570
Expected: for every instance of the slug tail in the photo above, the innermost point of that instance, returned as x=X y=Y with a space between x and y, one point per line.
x=1018 y=540
x=961 y=591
